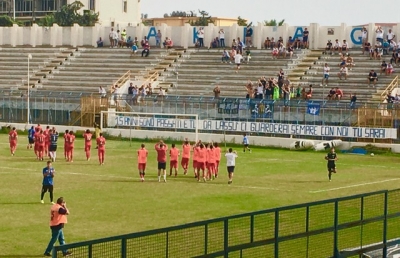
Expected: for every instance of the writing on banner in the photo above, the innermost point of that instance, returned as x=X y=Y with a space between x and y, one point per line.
x=253 y=127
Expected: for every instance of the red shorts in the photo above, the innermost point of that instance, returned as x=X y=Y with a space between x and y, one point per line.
x=142 y=166
x=210 y=166
x=173 y=164
x=194 y=163
x=35 y=146
x=13 y=144
x=217 y=163
x=40 y=147
x=201 y=165
x=88 y=147
x=185 y=161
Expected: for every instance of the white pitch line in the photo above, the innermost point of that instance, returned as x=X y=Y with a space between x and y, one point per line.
x=262 y=188
x=350 y=186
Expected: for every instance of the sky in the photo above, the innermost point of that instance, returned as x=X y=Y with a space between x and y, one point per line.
x=295 y=12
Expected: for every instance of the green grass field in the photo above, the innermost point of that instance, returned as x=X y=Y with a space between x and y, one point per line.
x=110 y=200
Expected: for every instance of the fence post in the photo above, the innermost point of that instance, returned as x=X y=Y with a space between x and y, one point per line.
x=276 y=234
x=385 y=213
x=308 y=227
x=226 y=239
x=335 y=232
x=252 y=228
x=206 y=239
x=123 y=248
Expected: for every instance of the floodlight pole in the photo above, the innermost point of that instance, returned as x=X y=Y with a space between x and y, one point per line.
x=14 y=10
x=28 y=108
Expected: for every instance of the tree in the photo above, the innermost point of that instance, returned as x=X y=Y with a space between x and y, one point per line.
x=69 y=15
x=274 y=23
x=241 y=22
x=204 y=20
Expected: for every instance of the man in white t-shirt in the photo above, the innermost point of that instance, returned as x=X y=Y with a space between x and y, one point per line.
x=326 y=75
x=364 y=37
x=379 y=34
x=390 y=36
x=336 y=46
x=111 y=37
x=343 y=72
x=238 y=58
x=221 y=38
x=230 y=163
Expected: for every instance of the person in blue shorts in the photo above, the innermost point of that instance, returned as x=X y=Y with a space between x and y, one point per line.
x=134 y=50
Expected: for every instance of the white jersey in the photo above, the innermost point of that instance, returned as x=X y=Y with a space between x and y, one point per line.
x=379 y=34
x=221 y=35
x=230 y=159
x=246 y=140
x=326 y=70
x=238 y=58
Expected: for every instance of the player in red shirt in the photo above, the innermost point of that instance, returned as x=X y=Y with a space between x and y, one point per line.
x=12 y=139
x=217 y=151
x=161 y=149
x=38 y=128
x=41 y=140
x=195 y=157
x=101 y=148
x=87 y=136
x=70 y=146
x=173 y=159
x=185 y=156
x=66 y=144
x=46 y=134
x=201 y=161
x=211 y=162
x=36 y=145
x=142 y=161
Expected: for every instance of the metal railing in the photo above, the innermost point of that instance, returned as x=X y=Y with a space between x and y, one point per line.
x=341 y=227
x=394 y=84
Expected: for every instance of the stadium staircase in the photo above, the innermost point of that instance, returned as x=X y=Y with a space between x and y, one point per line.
x=303 y=65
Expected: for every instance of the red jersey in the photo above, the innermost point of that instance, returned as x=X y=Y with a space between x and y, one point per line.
x=161 y=152
x=202 y=155
x=195 y=153
x=70 y=140
x=217 y=151
x=186 y=151
x=38 y=128
x=101 y=142
x=41 y=139
x=12 y=136
x=46 y=134
x=65 y=139
x=173 y=154
x=35 y=137
x=88 y=139
x=142 y=156
x=211 y=156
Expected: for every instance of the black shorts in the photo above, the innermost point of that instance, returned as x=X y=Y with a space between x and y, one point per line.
x=162 y=165
x=52 y=148
x=246 y=145
x=231 y=169
x=31 y=141
x=331 y=167
x=47 y=188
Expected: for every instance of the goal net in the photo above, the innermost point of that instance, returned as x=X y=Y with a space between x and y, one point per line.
x=179 y=124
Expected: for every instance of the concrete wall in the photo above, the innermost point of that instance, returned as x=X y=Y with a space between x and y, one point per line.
x=181 y=35
x=254 y=140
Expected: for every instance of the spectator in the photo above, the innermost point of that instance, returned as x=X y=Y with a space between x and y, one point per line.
x=234 y=44
x=269 y=89
x=162 y=92
x=372 y=77
x=130 y=93
x=350 y=62
x=225 y=56
x=134 y=50
x=216 y=91
x=345 y=47
x=249 y=35
x=297 y=43
x=328 y=48
x=221 y=35
x=290 y=51
x=102 y=92
x=275 y=53
x=129 y=42
x=232 y=54
x=338 y=93
x=305 y=38
x=367 y=48
x=389 y=69
x=353 y=99
x=298 y=91
x=200 y=36
x=240 y=46
x=118 y=39
x=146 y=49
x=267 y=43
x=390 y=100
x=383 y=67
x=379 y=34
x=249 y=90
x=273 y=43
x=342 y=60
x=332 y=94
x=260 y=91
x=112 y=35
x=168 y=43
x=214 y=43
x=378 y=51
x=286 y=92
x=158 y=39
x=248 y=55
x=336 y=46
x=364 y=38
x=343 y=72
x=390 y=36
x=144 y=41
x=395 y=57
x=282 y=50
x=308 y=94
x=238 y=58
x=290 y=42
x=136 y=42
x=325 y=79
x=100 y=43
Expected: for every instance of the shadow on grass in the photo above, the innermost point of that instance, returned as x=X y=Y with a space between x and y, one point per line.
x=20 y=255
x=16 y=203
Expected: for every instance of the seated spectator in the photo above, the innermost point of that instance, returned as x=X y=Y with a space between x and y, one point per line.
x=367 y=48
x=338 y=93
x=372 y=77
x=343 y=72
x=297 y=44
x=353 y=99
x=395 y=57
x=385 y=47
x=273 y=43
x=275 y=53
x=349 y=62
x=135 y=42
x=267 y=43
x=378 y=51
x=290 y=51
x=162 y=92
x=248 y=55
x=168 y=43
x=134 y=50
x=146 y=49
x=342 y=60
x=390 y=100
x=332 y=94
x=225 y=56
x=345 y=47
x=102 y=92
x=143 y=42
x=129 y=42
x=336 y=46
x=383 y=67
x=328 y=48
x=389 y=69
x=100 y=43
x=214 y=43
x=282 y=50
x=290 y=42
x=393 y=45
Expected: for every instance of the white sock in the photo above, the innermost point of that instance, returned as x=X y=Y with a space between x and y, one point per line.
x=51 y=154
x=165 y=176
x=54 y=156
x=159 y=178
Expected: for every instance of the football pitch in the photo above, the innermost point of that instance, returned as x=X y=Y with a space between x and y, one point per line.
x=110 y=200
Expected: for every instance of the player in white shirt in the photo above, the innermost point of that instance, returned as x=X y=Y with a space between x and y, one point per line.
x=238 y=58
x=326 y=75
x=230 y=163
